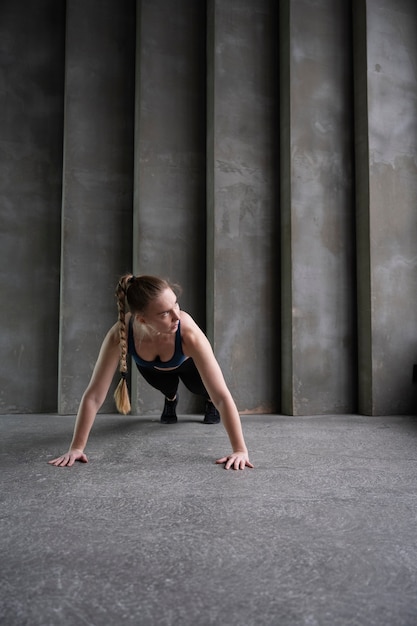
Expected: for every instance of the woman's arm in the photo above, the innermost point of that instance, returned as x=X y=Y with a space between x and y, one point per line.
x=197 y=346
x=92 y=399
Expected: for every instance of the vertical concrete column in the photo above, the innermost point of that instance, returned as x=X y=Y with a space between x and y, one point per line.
x=97 y=183
x=31 y=109
x=386 y=173
x=243 y=286
x=170 y=144
x=318 y=290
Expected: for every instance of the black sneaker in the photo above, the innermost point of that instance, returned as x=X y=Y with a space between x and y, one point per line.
x=169 y=415
x=211 y=416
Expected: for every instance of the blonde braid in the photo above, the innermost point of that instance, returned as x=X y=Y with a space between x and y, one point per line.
x=121 y=394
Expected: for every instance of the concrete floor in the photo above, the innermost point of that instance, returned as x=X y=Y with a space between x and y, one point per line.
x=151 y=532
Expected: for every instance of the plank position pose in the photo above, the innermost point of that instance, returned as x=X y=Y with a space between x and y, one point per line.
x=167 y=345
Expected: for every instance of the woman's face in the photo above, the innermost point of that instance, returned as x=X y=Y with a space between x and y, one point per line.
x=163 y=313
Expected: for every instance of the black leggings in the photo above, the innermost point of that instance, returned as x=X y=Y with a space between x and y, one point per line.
x=167 y=381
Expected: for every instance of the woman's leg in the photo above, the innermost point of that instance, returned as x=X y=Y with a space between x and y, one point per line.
x=191 y=378
x=167 y=383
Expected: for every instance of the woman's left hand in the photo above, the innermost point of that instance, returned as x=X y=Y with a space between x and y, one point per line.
x=236 y=460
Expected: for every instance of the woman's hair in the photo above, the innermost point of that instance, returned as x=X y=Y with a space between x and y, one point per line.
x=137 y=292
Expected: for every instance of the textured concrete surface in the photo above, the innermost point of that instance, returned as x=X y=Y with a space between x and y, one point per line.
x=169 y=235
x=321 y=533
x=386 y=88
x=54 y=54
x=242 y=199
x=97 y=183
x=318 y=277
x=31 y=114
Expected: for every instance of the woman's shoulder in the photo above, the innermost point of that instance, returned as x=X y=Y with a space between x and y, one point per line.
x=113 y=334
x=191 y=333
x=187 y=323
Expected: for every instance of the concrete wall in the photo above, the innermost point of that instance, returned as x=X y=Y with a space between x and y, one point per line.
x=170 y=144
x=242 y=191
x=97 y=183
x=317 y=212
x=31 y=117
x=386 y=158
x=261 y=154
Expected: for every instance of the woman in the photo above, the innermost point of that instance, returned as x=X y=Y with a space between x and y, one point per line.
x=167 y=345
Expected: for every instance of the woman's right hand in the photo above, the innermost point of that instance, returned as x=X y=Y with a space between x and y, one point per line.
x=69 y=458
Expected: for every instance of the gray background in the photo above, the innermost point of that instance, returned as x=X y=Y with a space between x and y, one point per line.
x=261 y=154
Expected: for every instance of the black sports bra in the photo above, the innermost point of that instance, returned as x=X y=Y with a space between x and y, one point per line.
x=175 y=361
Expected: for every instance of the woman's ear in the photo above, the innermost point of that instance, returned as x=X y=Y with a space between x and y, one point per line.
x=139 y=318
